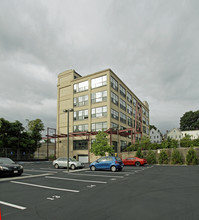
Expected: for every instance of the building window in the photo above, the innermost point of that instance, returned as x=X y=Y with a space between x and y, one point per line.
x=114 y=126
x=99 y=126
x=143 y=111
x=123 y=145
x=114 y=114
x=122 y=118
x=129 y=109
x=122 y=127
x=130 y=121
x=143 y=120
x=80 y=115
x=80 y=101
x=122 y=104
x=82 y=86
x=99 y=112
x=129 y=97
x=99 y=97
x=134 y=102
x=114 y=83
x=78 y=128
x=122 y=91
x=134 y=113
x=80 y=145
x=114 y=98
x=144 y=129
x=99 y=81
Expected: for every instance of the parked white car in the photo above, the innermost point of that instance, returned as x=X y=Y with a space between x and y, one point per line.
x=61 y=162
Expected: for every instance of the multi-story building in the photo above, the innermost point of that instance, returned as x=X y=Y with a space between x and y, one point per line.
x=155 y=136
x=98 y=101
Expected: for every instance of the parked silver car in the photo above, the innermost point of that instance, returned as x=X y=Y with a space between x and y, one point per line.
x=62 y=163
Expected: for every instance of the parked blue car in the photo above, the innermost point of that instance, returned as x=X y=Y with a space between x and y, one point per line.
x=107 y=163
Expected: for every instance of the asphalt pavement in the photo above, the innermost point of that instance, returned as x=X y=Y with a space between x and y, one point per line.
x=148 y=192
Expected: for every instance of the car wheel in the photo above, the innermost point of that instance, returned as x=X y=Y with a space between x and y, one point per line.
x=93 y=168
x=56 y=166
x=113 y=169
x=72 y=167
x=137 y=164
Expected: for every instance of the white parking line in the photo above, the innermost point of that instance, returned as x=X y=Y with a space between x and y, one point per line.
x=23 y=177
x=105 y=172
x=74 y=171
x=77 y=180
x=78 y=174
x=12 y=205
x=45 y=187
x=41 y=171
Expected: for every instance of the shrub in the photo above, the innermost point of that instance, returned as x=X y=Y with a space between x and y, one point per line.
x=195 y=142
x=51 y=157
x=151 y=157
x=191 y=158
x=176 y=157
x=186 y=141
x=163 y=157
x=139 y=153
x=130 y=148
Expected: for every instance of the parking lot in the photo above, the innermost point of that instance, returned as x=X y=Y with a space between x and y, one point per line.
x=150 y=192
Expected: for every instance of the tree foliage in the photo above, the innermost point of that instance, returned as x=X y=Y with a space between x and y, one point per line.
x=151 y=157
x=176 y=157
x=163 y=157
x=35 y=128
x=100 y=146
x=186 y=141
x=15 y=137
x=139 y=153
x=191 y=157
x=190 y=121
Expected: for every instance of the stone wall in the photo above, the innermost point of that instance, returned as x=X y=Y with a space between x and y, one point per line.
x=183 y=151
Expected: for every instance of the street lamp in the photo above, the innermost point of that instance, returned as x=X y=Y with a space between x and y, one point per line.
x=68 y=110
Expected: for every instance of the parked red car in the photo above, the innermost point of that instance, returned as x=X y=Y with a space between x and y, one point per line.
x=135 y=161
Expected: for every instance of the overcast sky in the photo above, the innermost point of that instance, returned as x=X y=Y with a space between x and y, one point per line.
x=152 y=45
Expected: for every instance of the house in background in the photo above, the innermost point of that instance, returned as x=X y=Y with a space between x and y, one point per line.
x=175 y=134
x=155 y=136
x=193 y=134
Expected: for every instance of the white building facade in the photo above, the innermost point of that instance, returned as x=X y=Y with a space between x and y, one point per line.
x=155 y=136
x=192 y=134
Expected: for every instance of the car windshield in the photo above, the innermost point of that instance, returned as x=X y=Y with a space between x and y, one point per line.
x=72 y=159
x=6 y=161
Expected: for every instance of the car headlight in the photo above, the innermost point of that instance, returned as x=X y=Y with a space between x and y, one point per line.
x=21 y=167
x=3 y=168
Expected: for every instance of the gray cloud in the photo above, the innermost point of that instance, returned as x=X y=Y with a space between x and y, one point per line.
x=151 y=45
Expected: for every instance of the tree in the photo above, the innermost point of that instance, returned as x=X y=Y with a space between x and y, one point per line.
x=139 y=153
x=191 y=158
x=145 y=143
x=190 y=121
x=176 y=157
x=151 y=158
x=163 y=157
x=186 y=141
x=35 y=128
x=152 y=126
x=100 y=146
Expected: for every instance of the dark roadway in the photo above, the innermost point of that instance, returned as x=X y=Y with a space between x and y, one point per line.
x=149 y=192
